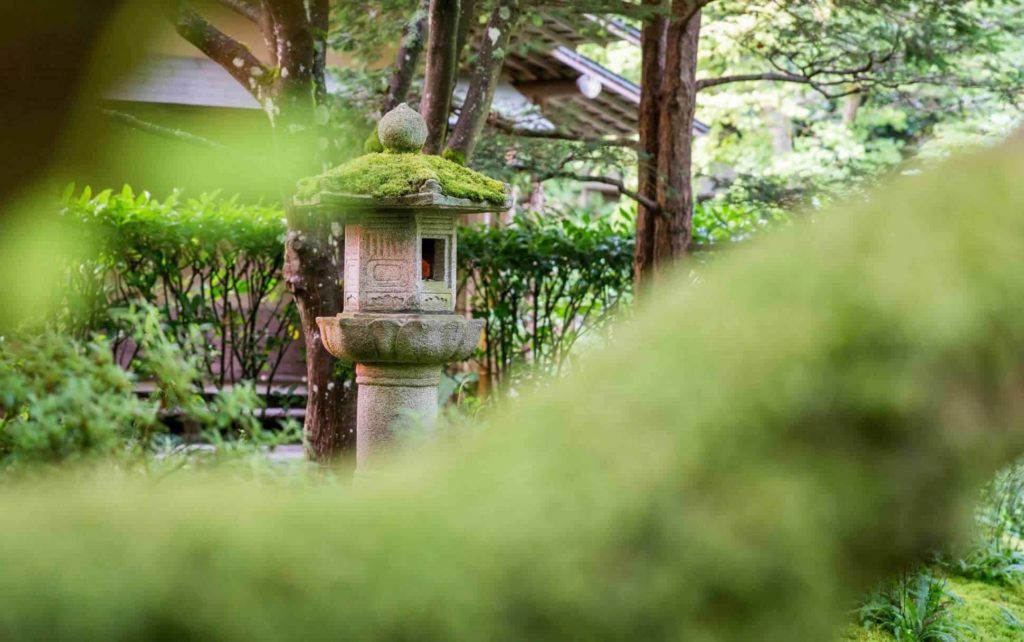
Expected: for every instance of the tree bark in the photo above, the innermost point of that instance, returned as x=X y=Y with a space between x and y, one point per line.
x=477 y=105
x=851 y=107
x=436 y=103
x=652 y=45
x=231 y=55
x=320 y=23
x=467 y=14
x=311 y=273
x=672 y=229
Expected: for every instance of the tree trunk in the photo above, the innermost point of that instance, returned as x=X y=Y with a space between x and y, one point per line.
x=672 y=230
x=851 y=107
x=407 y=59
x=295 y=32
x=482 y=84
x=436 y=103
x=311 y=272
x=467 y=15
x=312 y=260
x=653 y=39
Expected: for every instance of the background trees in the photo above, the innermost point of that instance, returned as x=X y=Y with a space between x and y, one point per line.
x=840 y=50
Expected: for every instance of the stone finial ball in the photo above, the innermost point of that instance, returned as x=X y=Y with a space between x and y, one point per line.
x=402 y=130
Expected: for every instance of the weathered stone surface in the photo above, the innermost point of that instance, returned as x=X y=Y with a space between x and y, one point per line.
x=400 y=338
x=402 y=130
x=384 y=262
x=389 y=394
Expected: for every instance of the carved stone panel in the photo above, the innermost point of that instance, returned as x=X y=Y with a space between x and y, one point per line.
x=401 y=262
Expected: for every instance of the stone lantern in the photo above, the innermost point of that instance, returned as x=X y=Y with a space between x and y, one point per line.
x=400 y=209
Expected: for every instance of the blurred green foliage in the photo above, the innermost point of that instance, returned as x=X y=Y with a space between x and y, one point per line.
x=751 y=453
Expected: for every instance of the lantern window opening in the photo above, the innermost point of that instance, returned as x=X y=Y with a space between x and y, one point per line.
x=433 y=264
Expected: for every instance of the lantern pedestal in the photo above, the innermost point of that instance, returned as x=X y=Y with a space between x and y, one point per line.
x=398 y=367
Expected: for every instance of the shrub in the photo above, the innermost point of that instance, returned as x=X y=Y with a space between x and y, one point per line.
x=719 y=222
x=208 y=263
x=542 y=284
x=992 y=561
x=64 y=399
x=1001 y=512
x=995 y=556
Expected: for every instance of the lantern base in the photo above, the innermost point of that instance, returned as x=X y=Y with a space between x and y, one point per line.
x=389 y=396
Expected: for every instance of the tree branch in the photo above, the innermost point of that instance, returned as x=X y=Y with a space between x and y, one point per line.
x=607 y=180
x=244 y=8
x=519 y=132
x=856 y=83
x=705 y=83
x=480 y=94
x=227 y=52
x=166 y=132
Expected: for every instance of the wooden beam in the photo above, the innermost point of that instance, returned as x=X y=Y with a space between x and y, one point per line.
x=516 y=64
x=540 y=89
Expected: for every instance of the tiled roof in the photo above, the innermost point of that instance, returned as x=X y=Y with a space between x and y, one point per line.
x=176 y=80
x=538 y=92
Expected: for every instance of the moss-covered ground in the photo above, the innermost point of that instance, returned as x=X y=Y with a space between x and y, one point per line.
x=989 y=610
x=390 y=175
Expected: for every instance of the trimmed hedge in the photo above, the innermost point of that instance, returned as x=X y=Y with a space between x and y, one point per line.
x=212 y=262
x=209 y=262
x=542 y=284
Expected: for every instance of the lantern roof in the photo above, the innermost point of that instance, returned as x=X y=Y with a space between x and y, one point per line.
x=404 y=180
x=402 y=177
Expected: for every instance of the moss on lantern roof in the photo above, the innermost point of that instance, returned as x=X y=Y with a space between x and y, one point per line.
x=392 y=175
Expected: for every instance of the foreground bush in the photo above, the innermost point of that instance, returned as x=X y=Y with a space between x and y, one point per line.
x=751 y=455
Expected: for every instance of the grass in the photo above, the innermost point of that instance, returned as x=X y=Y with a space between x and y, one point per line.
x=993 y=613
x=389 y=175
